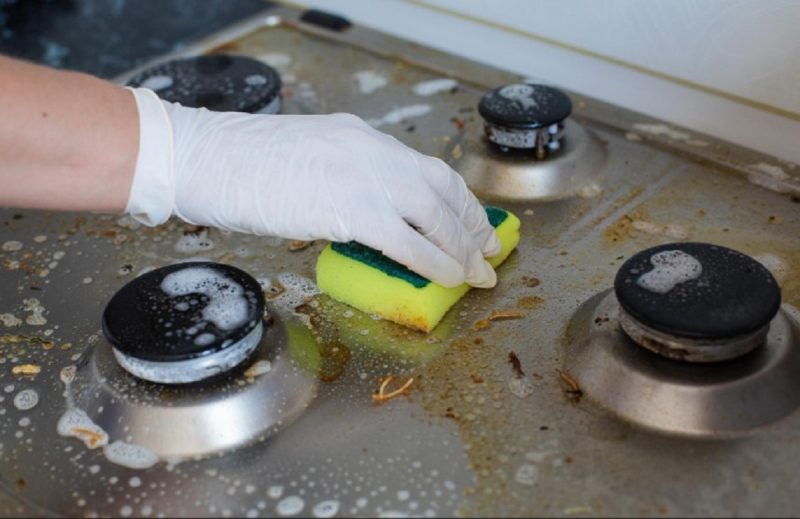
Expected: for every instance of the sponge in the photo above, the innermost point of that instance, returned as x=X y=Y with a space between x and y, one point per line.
x=366 y=279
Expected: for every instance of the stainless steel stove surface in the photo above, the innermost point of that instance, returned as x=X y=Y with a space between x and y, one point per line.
x=528 y=399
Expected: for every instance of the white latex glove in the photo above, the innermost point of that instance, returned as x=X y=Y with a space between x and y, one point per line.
x=309 y=177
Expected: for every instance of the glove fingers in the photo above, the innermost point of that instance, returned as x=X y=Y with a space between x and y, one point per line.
x=451 y=187
x=449 y=234
x=402 y=243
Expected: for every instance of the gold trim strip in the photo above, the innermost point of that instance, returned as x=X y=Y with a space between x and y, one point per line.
x=751 y=103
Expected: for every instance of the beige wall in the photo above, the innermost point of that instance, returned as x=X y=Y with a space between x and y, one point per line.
x=728 y=68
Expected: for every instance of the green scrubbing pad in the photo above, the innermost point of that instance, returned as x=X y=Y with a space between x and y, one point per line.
x=366 y=279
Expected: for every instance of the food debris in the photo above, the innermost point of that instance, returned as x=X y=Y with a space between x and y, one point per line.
x=380 y=396
x=516 y=365
x=482 y=324
x=90 y=437
x=26 y=369
x=258 y=368
x=457 y=152
x=10 y=320
x=298 y=245
x=505 y=315
x=572 y=391
x=530 y=281
x=14 y=339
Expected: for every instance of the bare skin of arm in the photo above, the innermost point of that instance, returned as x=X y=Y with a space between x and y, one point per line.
x=68 y=141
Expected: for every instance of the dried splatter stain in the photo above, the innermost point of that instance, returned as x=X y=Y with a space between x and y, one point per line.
x=26 y=370
x=516 y=365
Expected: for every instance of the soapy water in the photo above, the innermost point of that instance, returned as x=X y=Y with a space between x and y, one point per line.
x=369 y=81
x=157 y=83
x=520 y=93
x=434 y=86
x=401 y=114
x=26 y=399
x=672 y=267
x=227 y=306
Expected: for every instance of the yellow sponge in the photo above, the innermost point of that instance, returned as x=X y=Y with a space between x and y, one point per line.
x=366 y=279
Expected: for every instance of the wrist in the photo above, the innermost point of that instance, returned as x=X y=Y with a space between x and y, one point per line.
x=152 y=194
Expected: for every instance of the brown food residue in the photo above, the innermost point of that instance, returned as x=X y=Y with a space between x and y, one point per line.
x=530 y=281
x=26 y=369
x=91 y=438
x=530 y=302
x=381 y=396
x=516 y=365
x=572 y=390
x=505 y=315
x=298 y=245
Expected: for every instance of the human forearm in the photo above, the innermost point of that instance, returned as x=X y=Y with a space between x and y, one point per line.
x=67 y=140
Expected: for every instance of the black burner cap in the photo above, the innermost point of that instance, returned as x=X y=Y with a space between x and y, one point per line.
x=219 y=82
x=183 y=311
x=525 y=106
x=697 y=291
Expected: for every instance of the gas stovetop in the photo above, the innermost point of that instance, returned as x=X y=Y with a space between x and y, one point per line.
x=639 y=355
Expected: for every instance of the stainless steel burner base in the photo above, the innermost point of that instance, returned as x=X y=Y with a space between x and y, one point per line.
x=571 y=171
x=195 y=420
x=727 y=399
x=690 y=350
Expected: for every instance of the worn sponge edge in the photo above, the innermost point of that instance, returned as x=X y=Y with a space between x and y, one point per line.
x=368 y=280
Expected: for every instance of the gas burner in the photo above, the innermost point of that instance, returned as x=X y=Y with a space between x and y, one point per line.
x=692 y=341
x=529 y=150
x=525 y=116
x=218 y=82
x=249 y=381
x=185 y=322
x=696 y=302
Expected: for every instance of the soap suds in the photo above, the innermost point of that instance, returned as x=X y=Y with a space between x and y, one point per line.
x=227 y=306
x=672 y=267
x=434 y=86
x=129 y=455
x=401 y=114
x=369 y=81
x=520 y=93
x=157 y=83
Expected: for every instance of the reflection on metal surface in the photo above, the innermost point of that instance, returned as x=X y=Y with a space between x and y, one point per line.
x=727 y=399
x=209 y=417
x=514 y=176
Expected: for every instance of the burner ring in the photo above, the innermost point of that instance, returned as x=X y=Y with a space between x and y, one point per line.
x=185 y=322
x=687 y=349
x=217 y=82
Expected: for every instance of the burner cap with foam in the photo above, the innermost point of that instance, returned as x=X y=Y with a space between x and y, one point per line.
x=683 y=299
x=185 y=322
x=218 y=82
x=525 y=116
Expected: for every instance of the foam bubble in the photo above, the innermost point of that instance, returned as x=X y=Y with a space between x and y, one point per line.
x=76 y=423
x=521 y=93
x=434 y=86
x=527 y=474
x=157 y=83
x=227 y=306
x=672 y=267
x=291 y=505
x=255 y=80
x=326 y=509
x=401 y=114
x=26 y=399
x=369 y=81
x=193 y=243
x=129 y=455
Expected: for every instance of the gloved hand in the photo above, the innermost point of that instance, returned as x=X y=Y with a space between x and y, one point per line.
x=309 y=177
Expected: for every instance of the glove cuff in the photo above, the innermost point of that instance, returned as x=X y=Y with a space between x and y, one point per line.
x=152 y=196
